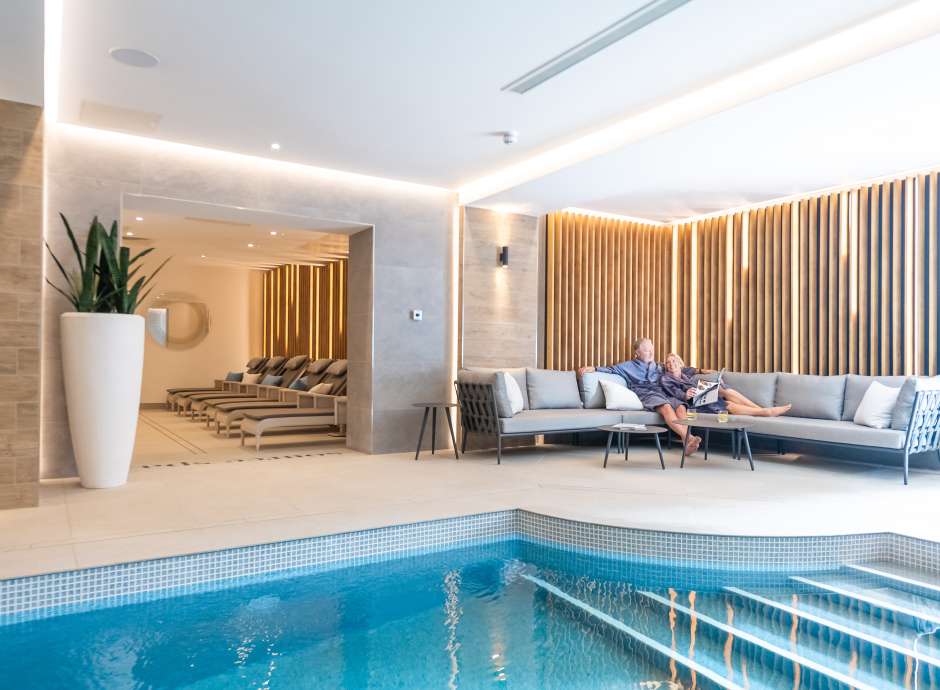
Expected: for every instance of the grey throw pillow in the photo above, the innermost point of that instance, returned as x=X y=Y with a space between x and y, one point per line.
x=234 y=376
x=550 y=389
x=591 y=392
x=904 y=406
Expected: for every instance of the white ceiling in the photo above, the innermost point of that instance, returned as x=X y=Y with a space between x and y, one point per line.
x=206 y=234
x=21 y=49
x=875 y=118
x=409 y=89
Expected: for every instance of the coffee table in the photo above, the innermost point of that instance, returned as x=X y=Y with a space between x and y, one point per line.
x=625 y=432
x=736 y=425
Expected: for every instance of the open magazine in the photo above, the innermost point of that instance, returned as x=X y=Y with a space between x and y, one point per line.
x=707 y=391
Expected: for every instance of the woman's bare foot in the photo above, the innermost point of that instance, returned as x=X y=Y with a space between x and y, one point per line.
x=692 y=444
x=779 y=410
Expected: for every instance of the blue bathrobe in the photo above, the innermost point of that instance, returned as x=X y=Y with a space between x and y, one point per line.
x=645 y=379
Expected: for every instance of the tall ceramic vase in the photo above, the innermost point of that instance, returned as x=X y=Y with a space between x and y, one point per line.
x=103 y=362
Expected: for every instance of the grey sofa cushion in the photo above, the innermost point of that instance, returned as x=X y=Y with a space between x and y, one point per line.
x=758 y=388
x=814 y=397
x=590 y=385
x=855 y=387
x=642 y=417
x=557 y=420
x=549 y=389
x=834 y=431
x=488 y=375
x=905 y=404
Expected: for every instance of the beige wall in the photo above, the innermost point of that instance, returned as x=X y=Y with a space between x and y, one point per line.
x=226 y=291
x=20 y=285
x=406 y=261
x=499 y=306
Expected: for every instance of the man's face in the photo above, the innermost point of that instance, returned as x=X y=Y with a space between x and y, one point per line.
x=645 y=351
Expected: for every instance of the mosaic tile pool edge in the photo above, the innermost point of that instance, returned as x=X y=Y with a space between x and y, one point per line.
x=57 y=593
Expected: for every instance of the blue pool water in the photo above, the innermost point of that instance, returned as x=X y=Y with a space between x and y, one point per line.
x=509 y=615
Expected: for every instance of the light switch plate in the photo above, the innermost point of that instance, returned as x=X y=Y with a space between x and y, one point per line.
x=417 y=314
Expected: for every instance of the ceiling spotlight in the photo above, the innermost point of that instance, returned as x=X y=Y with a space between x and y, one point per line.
x=202 y=256
x=275 y=146
x=273 y=233
x=134 y=58
x=129 y=233
x=139 y=219
x=251 y=245
x=510 y=136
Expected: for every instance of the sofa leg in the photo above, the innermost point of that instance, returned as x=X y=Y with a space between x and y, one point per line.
x=907 y=458
x=463 y=441
x=499 y=449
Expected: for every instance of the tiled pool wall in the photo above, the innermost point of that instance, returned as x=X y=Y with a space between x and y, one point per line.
x=56 y=593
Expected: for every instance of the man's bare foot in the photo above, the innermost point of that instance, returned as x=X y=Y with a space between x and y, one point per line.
x=692 y=444
x=779 y=410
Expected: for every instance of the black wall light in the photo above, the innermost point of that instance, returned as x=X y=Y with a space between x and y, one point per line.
x=504 y=256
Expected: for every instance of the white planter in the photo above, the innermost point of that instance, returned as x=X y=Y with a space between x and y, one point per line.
x=103 y=362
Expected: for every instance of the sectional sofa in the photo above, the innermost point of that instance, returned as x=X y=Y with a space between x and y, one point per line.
x=558 y=402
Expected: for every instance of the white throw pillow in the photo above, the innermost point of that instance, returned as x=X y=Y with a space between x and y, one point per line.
x=619 y=397
x=877 y=406
x=516 y=403
x=251 y=378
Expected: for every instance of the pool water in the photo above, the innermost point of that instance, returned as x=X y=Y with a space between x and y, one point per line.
x=509 y=615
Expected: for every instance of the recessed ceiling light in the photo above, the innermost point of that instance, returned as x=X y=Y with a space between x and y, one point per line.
x=273 y=233
x=129 y=233
x=275 y=146
x=202 y=256
x=134 y=57
x=250 y=244
x=139 y=218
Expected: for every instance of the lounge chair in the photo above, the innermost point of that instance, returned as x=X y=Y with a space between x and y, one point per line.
x=252 y=366
x=227 y=413
x=257 y=423
x=264 y=389
x=183 y=401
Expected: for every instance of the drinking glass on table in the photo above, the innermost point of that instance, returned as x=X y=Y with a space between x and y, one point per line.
x=691 y=413
x=723 y=416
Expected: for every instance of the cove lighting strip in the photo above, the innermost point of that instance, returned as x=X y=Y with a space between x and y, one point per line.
x=904 y=25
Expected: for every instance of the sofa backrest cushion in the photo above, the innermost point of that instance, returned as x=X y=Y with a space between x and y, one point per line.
x=905 y=404
x=488 y=375
x=550 y=389
x=759 y=388
x=816 y=397
x=856 y=386
x=589 y=384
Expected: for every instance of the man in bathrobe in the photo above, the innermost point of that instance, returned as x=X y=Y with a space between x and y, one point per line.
x=643 y=374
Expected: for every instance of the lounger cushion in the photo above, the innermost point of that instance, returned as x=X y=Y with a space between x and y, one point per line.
x=828 y=430
x=338 y=368
x=591 y=394
x=234 y=376
x=488 y=376
x=759 y=388
x=550 y=389
x=815 y=397
x=552 y=420
x=251 y=378
x=301 y=384
x=271 y=380
x=295 y=362
x=856 y=387
x=319 y=366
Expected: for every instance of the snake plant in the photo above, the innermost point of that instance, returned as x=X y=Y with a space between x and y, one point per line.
x=105 y=279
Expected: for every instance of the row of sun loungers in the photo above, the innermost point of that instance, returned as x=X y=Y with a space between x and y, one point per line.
x=272 y=394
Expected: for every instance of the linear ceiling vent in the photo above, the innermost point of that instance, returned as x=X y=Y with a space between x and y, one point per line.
x=622 y=28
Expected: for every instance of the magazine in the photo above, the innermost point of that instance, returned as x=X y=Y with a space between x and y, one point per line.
x=707 y=392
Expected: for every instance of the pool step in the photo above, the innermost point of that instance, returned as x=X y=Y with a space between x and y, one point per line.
x=838 y=620
x=898 y=576
x=836 y=670
x=922 y=613
x=689 y=663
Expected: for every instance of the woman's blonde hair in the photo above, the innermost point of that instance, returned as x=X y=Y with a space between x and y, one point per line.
x=677 y=357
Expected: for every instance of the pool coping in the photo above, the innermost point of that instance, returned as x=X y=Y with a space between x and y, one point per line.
x=50 y=594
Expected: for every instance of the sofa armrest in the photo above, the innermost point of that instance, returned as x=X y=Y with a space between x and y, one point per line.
x=477 y=405
x=923 y=429
x=316 y=400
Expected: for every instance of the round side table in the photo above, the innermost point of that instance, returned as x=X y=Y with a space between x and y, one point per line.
x=432 y=407
x=625 y=432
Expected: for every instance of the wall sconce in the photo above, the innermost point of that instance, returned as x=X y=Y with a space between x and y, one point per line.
x=504 y=257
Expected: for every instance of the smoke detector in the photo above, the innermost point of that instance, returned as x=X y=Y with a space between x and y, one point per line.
x=510 y=137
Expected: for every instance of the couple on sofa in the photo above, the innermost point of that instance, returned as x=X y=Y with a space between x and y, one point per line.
x=666 y=388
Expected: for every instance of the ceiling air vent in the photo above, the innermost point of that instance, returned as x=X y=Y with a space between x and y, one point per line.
x=622 y=28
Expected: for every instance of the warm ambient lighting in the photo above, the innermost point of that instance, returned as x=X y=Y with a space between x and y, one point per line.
x=273 y=233
x=139 y=219
x=275 y=146
x=614 y=216
x=877 y=35
x=251 y=245
x=129 y=233
x=202 y=256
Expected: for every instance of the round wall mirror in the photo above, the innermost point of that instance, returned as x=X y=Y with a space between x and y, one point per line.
x=177 y=320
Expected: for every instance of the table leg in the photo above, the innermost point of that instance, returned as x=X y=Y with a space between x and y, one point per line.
x=659 y=449
x=424 y=422
x=747 y=445
x=610 y=438
x=626 y=447
x=453 y=438
x=433 y=428
x=706 y=443
x=688 y=433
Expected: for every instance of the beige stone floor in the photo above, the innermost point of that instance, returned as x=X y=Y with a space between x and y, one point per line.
x=190 y=492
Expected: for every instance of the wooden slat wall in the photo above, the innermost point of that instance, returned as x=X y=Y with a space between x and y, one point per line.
x=608 y=283
x=844 y=282
x=304 y=310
